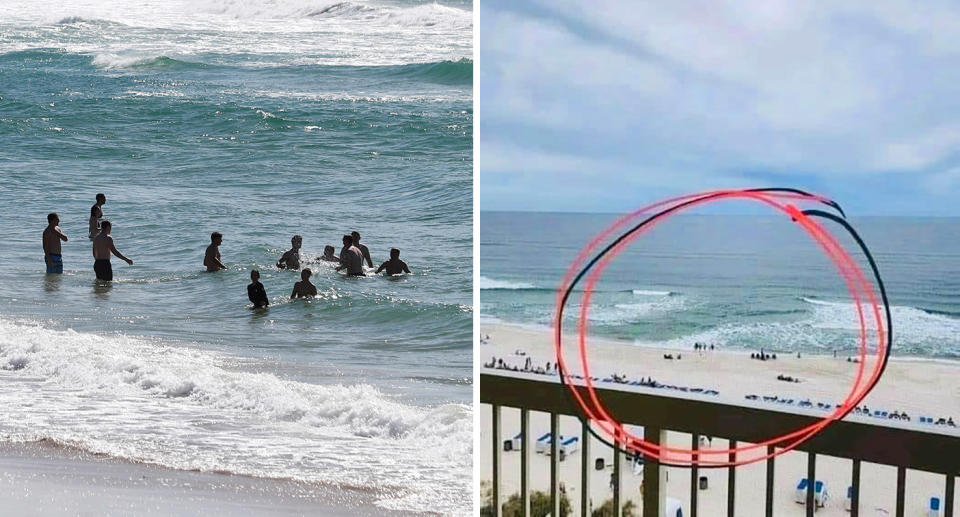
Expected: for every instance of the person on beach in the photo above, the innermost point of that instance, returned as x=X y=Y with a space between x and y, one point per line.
x=255 y=291
x=52 y=236
x=328 y=255
x=96 y=215
x=351 y=258
x=212 y=258
x=363 y=249
x=394 y=266
x=103 y=247
x=304 y=288
x=291 y=259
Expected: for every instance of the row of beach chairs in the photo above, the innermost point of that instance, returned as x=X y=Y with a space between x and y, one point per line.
x=876 y=413
x=821 y=496
x=567 y=445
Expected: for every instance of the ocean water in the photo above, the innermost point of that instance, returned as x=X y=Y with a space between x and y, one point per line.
x=260 y=120
x=741 y=282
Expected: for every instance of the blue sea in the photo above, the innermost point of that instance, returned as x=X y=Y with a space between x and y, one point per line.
x=259 y=120
x=737 y=282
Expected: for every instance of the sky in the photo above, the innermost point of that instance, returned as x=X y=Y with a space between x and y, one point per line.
x=603 y=106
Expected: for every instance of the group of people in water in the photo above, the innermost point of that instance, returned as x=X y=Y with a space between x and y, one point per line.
x=351 y=258
x=103 y=245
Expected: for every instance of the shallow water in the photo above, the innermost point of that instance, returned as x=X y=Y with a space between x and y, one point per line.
x=734 y=281
x=311 y=118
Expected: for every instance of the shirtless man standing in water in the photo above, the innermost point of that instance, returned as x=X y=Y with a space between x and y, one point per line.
x=364 y=250
x=96 y=215
x=303 y=288
x=350 y=258
x=211 y=258
x=103 y=247
x=52 y=236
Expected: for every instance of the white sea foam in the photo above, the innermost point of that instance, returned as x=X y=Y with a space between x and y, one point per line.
x=830 y=323
x=911 y=324
x=492 y=283
x=324 y=31
x=648 y=292
x=178 y=406
x=631 y=312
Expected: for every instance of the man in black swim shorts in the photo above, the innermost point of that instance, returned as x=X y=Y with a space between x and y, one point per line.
x=103 y=247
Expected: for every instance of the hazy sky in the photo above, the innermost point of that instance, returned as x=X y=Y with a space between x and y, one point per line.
x=605 y=105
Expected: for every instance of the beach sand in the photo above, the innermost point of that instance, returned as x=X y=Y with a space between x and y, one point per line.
x=920 y=387
x=44 y=479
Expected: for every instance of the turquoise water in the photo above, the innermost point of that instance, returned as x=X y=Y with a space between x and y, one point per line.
x=300 y=117
x=741 y=282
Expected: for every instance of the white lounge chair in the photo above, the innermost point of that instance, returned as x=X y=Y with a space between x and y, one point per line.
x=673 y=508
x=570 y=445
x=933 y=509
x=801 y=494
x=516 y=442
x=544 y=442
x=820 y=494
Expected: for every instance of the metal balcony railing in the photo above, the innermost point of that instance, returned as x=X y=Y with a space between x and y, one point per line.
x=936 y=451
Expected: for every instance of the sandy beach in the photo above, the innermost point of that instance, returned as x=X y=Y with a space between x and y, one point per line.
x=44 y=479
x=917 y=387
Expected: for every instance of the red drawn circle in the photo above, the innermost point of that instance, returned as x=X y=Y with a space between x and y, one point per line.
x=846 y=266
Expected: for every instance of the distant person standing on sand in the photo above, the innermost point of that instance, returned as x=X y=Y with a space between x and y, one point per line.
x=291 y=259
x=96 y=215
x=364 y=250
x=351 y=258
x=256 y=292
x=304 y=288
x=394 y=266
x=103 y=247
x=212 y=257
x=51 y=244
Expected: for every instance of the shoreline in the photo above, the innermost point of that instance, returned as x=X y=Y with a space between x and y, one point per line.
x=47 y=478
x=490 y=322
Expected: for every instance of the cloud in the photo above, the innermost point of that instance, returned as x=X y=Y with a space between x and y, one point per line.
x=820 y=93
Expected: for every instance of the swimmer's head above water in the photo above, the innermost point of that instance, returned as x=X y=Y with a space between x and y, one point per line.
x=296 y=241
x=216 y=238
x=347 y=239
x=305 y=274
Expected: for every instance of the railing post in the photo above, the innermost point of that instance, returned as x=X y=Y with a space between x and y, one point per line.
x=616 y=478
x=770 y=474
x=901 y=488
x=555 y=464
x=654 y=489
x=948 y=497
x=525 y=462
x=694 y=475
x=495 y=488
x=732 y=481
x=855 y=495
x=811 y=482
x=585 y=470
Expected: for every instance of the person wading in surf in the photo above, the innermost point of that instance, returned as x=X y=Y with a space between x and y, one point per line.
x=103 y=247
x=350 y=258
x=364 y=250
x=52 y=236
x=96 y=215
x=394 y=266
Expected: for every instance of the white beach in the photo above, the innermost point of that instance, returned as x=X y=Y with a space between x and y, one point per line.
x=918 y=387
